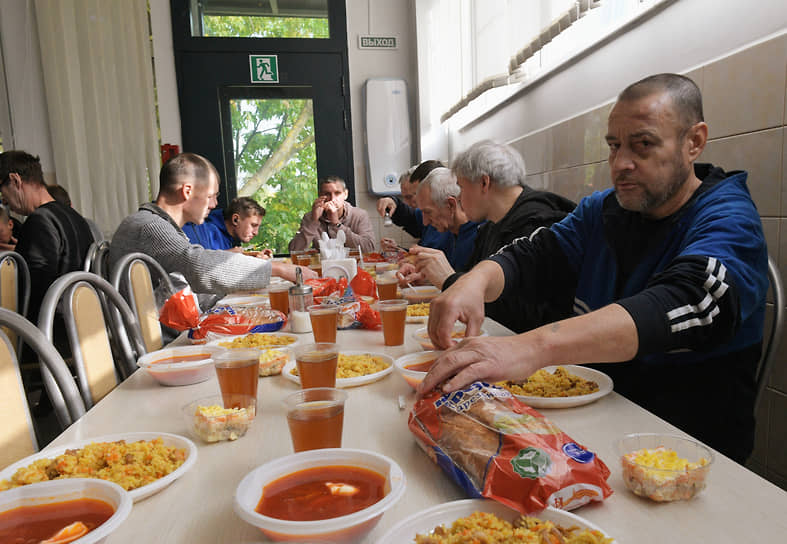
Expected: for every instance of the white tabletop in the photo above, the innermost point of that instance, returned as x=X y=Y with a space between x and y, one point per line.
x=737 y=506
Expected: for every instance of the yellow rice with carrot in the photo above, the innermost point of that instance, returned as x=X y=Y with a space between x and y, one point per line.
x=486 y=528
x=130 y=465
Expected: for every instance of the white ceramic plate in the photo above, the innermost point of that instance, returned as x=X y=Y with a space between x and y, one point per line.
x=136 y=494
x=604 y=388
x=217 y=341
x=444 y=514
x=348 y=382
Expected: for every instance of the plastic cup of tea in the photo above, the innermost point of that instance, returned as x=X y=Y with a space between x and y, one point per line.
x=315 y=418
x=279 y=297
x=317 y=364
x=238 y=371
x=393 y=314
x=325 y=320
x=387 y=285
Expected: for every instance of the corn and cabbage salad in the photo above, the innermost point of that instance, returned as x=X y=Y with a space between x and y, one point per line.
x=486 y=528
x=214 y=423
x=661 y=475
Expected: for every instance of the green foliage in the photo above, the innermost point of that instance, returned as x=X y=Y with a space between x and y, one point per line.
x=259 y=127
x=250 y=26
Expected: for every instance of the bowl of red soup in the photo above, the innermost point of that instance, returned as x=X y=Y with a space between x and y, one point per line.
x=182 y=365
x=83 y=510
x=335 y=495
x=413 y=367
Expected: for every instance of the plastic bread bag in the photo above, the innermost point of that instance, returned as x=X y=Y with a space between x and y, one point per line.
x=495 y=446
x=232 y=320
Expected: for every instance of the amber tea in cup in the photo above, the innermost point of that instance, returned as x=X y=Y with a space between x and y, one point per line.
x=315 y=418
x=317 y=364
x=279 y=297
x=393 y=314
x=387 y=284
x=238 y=373
x=325 y=320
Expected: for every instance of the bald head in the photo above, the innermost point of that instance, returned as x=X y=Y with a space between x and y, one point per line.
x=684 y=94
x=185 y=168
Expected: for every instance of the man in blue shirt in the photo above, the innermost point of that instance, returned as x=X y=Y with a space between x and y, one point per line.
x=662 y=278
x=229 y=228
x=405 y=213
x=438 y=200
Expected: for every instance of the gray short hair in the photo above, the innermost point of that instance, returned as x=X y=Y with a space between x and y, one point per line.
x=442 y=185
x=501 y=162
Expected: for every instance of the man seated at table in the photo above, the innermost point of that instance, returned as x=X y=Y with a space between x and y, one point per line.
x=491 y=178
x=227 y=229
x=7 y=238
x=54 y=239
x=189 y=184
x=666 y=273
x=332 y=213
x=404 y=211
x=438 y=200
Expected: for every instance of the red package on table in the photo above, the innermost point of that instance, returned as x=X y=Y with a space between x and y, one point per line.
x=497 y=447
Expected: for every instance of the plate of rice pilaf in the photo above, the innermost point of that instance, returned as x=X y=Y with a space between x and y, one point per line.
x=459 y=522
x=550 y=387
x=142 y=463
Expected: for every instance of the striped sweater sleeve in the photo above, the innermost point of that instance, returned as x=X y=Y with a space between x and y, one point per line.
x=692 y=304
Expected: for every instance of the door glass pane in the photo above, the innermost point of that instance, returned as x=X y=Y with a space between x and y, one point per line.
x=260 y=18
x=275 y=162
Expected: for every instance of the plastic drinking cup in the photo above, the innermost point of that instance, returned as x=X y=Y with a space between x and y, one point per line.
x=315 y=418
x=317 y=364
x=393 y=314
x=325 y=320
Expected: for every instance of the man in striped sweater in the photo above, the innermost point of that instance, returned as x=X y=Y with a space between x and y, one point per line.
x=667 y=272
x=188 y=188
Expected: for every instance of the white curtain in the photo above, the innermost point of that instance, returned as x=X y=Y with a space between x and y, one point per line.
x=98 y=75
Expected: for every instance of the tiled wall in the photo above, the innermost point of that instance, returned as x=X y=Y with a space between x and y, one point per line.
x=744 y=100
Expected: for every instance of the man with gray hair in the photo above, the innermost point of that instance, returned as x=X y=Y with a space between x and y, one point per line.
x=438 y=199
x=491 y=177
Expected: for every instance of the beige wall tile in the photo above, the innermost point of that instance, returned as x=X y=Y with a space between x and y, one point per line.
x=770 y=227
x=596 y=149
x=777 y=435
x=576 y=183
x=778 y=378
x=535 y=150
x=536 y=181
x=784 y=172
x=745 y=92
x=780 y=254
x=696 y=77
x=758 y=153
x=568 y=141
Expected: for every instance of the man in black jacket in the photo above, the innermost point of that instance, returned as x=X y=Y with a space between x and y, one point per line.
x=54 y=239
x=491 y=177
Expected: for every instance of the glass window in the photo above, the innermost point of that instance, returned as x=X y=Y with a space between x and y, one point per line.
x=275 y=162
x=260 y=18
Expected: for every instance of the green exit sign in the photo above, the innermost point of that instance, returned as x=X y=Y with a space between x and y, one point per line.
x=264 y=68
x=377 y=42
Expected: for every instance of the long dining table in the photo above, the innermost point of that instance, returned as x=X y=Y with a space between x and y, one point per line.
x=737 y=505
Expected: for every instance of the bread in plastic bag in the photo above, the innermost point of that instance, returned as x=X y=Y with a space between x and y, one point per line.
x=497 y=447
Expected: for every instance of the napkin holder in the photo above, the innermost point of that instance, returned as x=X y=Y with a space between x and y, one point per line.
x=336 y=268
